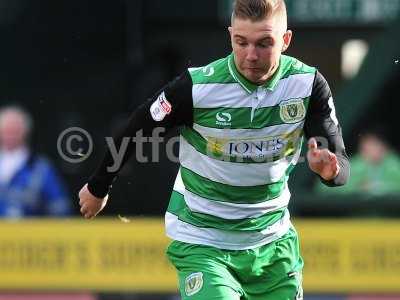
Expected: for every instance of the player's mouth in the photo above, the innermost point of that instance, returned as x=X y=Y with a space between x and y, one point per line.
x=254 y=69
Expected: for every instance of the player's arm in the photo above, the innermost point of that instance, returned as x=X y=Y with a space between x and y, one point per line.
x=321 y=124
x=171 y=107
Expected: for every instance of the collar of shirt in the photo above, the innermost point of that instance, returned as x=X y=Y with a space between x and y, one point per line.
x=11 y=162
x=249 y=86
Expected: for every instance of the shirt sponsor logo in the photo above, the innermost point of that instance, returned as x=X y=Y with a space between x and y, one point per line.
x=260 y=149
x=269 y=148
x=256 y=149
x=223 y=119
x=160 y=108
x=292 y=111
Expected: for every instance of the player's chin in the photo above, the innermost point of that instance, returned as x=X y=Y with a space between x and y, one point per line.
x=254 y=76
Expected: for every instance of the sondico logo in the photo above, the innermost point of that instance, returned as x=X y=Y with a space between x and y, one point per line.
x=208 y=71
x=223 y=119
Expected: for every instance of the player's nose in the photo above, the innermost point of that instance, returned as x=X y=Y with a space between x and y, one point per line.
x=251 y=54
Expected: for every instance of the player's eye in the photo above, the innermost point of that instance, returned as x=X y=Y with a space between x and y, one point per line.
x=241 y=43
x=265 y=44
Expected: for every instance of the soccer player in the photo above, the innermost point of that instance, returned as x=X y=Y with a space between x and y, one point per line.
x=243 y=118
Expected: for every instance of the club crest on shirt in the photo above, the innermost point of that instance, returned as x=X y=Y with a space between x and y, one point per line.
x=292 y=111
x=160 y=108
x=193 y=283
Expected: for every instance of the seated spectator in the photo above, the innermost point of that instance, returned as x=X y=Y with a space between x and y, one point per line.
x=375 y=170
x=29 y=185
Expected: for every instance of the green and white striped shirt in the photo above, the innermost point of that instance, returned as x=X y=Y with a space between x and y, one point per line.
x=231 y=191
x=238 y=145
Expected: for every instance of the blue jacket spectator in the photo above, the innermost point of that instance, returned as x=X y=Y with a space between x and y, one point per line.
x=29 y=185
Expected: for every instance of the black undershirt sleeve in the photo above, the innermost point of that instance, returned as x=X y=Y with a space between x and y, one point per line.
x=179 y=94
x=321 y=123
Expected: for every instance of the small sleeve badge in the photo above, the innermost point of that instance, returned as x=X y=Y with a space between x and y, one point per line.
x=160 y=108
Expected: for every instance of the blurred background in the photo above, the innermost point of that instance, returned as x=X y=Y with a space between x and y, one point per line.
x=88 y=63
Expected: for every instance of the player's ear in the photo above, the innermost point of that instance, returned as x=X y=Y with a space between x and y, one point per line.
x=231 y=34
x=287 y=38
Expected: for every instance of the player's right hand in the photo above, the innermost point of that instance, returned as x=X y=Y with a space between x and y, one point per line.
x=90 y=205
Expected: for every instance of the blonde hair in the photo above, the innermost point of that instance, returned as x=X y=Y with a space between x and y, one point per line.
x=257 y=10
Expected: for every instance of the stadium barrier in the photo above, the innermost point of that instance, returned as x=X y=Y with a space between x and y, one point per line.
x=106 y=255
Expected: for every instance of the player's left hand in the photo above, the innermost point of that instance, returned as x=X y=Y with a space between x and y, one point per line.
x=322 y=161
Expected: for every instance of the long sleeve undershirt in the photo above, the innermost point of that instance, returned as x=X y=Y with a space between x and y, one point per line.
x=320 y=122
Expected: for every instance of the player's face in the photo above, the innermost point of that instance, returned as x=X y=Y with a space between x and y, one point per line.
x=257 y=46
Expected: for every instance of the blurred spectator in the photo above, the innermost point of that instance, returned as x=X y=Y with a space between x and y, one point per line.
x=375 y=170
x=29 y=185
